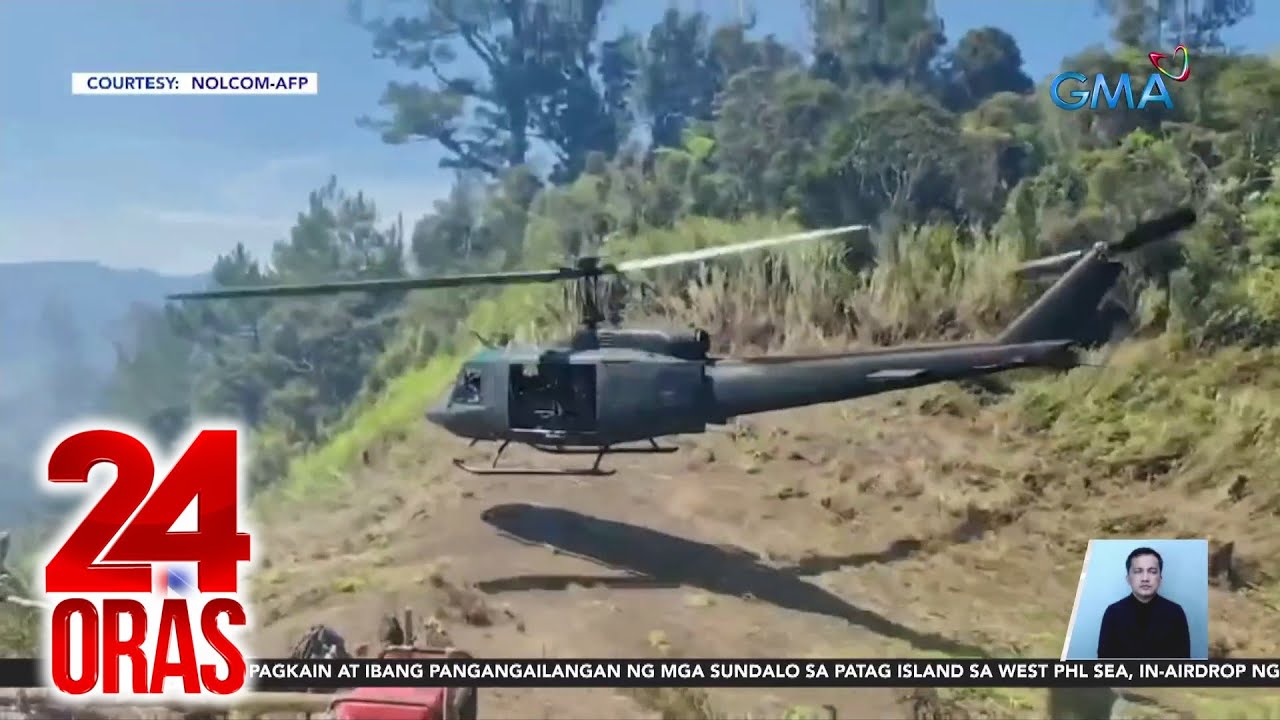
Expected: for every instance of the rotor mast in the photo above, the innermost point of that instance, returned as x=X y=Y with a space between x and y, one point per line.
x=588 y=291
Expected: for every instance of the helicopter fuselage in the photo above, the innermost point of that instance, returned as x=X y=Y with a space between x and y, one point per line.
x=633 y=388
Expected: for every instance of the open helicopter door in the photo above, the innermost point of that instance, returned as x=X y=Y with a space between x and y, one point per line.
x=552 y=396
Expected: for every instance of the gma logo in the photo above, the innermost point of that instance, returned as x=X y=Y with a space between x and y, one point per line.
x=1154 y=91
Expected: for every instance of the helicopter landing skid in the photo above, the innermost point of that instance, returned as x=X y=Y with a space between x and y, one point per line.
x=594 y=470
x=653 y=449
x=494 y=470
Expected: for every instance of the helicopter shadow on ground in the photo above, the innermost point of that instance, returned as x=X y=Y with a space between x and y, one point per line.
x=654 y=559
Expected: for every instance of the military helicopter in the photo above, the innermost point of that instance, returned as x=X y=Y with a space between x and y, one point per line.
x=608 y=387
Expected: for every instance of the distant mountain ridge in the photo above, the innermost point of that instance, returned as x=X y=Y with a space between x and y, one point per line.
x=58 y=325
x=98 y=298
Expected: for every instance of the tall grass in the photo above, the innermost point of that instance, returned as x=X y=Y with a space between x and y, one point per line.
x=926 y=282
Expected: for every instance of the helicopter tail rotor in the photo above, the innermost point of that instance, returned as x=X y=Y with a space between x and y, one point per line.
x=1143 y=234
x=1073 y=307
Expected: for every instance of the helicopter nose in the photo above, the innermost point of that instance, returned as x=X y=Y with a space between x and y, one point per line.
x=438 y=415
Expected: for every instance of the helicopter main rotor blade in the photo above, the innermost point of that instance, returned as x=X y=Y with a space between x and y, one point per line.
x=693 y=256
x=588 y=267
x=391 y=285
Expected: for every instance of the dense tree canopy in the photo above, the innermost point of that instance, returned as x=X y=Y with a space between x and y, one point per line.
x=887 y=121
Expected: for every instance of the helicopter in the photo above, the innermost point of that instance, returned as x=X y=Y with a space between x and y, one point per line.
x=605 y=389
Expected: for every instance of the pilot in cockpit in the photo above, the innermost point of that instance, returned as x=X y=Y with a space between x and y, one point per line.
x=467 y=391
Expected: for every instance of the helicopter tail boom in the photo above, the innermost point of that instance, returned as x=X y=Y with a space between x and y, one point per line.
x=744 y=387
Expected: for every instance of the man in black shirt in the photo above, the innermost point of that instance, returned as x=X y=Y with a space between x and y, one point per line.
x=1144 y=624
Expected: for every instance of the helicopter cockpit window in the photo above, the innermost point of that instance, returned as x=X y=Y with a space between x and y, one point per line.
x=467 y=389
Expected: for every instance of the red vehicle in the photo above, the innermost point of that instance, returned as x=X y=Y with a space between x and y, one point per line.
x=408 y=703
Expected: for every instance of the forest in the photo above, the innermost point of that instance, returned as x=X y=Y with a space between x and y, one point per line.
x=690 y=133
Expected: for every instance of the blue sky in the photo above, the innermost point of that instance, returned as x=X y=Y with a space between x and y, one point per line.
x=169 y=182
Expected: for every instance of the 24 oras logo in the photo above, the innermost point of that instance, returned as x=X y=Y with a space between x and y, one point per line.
x=1182 y=74
x=117 y=582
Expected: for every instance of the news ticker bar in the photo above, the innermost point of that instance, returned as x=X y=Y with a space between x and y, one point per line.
x=288 y=674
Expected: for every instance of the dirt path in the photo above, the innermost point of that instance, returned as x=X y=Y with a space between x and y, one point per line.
x=680 y=554
x=853 y=531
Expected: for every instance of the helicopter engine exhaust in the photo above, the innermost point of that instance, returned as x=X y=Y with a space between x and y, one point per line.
x=683 y=344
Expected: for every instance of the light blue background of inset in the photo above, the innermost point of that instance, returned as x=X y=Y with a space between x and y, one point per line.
x=1185 y=581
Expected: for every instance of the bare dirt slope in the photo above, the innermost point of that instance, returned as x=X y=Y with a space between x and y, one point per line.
x=891 y=527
